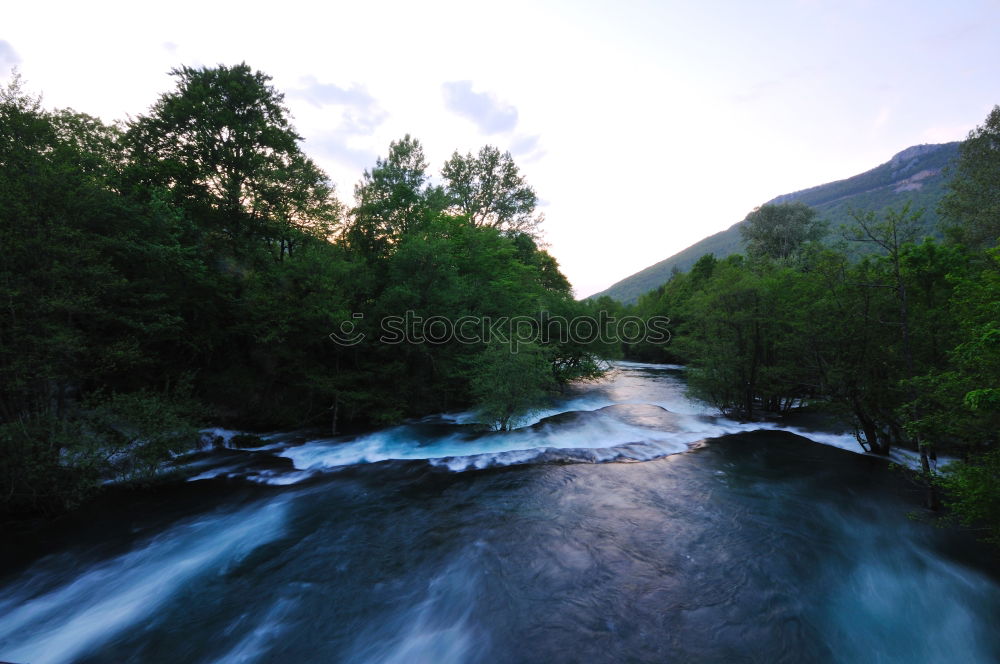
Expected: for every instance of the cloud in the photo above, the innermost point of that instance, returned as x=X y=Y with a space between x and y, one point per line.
x=522 y=145
x=335 y=145
x=325 y=94
x=491 y=115
x=359 y=115
x=361 y=112
x=169 y=47
x=526 y=149
x=8 y=56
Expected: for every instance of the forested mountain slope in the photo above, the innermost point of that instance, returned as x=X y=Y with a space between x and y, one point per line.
x=916 y=175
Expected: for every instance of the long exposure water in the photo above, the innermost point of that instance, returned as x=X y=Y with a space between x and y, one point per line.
x=626 y=524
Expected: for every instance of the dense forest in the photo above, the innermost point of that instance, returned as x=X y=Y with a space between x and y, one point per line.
x=902 y=339
x=194 y=266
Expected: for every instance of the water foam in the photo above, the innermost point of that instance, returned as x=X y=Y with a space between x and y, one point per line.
x=437 y=629
x=44 y=624
x=590 y=431
x=580 y=427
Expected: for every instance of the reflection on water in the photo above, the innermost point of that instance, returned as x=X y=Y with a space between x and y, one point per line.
x=433 y=542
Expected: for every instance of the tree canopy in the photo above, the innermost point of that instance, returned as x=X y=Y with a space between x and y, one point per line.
x=489 y=189
x=971 y=208
x=393 y=199
x=194 y=265
x=900 y=340
x=223 y=148
x=780 y=231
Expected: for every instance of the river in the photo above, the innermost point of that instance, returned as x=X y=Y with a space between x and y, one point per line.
x=626 y=524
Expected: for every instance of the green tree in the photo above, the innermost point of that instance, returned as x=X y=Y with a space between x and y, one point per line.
x=743 y=339
x=780 y=231
x=972 y=490
x=80 y=276
x=489 y=189
x=196 y=255
x=509 y=385
x=85 y=280
x=959 y=403
x=221 y=144
x=890 y=235
x=852 y=352
x=673 y=300
x=392 y=199
x=971 y=208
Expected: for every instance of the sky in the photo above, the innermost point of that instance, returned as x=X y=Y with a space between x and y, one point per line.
x=642 y=126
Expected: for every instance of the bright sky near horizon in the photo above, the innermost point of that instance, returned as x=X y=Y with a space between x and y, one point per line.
x=644 y=126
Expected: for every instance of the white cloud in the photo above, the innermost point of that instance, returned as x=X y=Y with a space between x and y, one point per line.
x=347 y=116
x=8 y=57
x=490 y=114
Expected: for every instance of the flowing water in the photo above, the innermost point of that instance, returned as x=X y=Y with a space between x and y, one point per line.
x=627 y=524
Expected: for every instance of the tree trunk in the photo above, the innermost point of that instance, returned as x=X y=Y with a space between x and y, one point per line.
x=336 y=411
x=877 y=444
x=932 y=500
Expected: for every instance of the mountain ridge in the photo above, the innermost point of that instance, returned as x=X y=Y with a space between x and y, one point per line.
x=915 y=175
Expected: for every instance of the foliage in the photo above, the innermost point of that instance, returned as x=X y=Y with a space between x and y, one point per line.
x=222 y=146
x=51 y=463
x=902 y=337
x=780 y=231
x=393 y=199
x=198 y=255
x=972 y=208
x=973 y=490
x=508 y=385
x=490 y=191
x=917 y=176
x=742 y=333
x=33 y=477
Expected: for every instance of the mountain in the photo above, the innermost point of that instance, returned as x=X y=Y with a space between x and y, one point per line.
x=915 y=175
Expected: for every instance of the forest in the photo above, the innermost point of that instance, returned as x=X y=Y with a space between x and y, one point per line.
x=903 y=341
x=189 y=266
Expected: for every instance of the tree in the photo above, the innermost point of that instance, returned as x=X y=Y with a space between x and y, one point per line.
x=742 y=336
x=392 y=199
x=780 y=230
x=971 y=207
x=82 y=271
x=489 y=189
x=84 y=279
x=960 y=403
x=190 y=261
x=529 y=253
x=508 y=386
x=890 y=234
x=973 y=493
x=222 y=145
